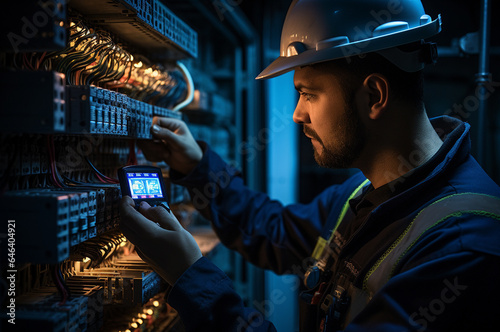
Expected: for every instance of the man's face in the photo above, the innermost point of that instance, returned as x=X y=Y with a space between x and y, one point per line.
x=332 y=123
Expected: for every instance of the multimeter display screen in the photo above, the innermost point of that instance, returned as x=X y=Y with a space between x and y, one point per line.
x=144 y=185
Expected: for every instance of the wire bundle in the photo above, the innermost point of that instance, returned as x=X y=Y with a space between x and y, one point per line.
x=99 y=249
x=154 y=85
x=93 y=58
x=62 y=181
x=103 y=178
x=90 y=58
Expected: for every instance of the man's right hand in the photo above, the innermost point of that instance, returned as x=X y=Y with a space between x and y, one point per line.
x=176 y=145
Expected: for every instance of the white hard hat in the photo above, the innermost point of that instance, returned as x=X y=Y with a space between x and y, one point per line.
x=321 y=30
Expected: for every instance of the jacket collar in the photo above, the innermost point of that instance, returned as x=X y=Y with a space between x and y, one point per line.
x=425 y=179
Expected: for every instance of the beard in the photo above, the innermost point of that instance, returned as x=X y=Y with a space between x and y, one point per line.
x=349 y=144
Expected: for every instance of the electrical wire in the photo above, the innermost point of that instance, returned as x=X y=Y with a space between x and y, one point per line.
x=93 y=58
x=59 y=284
x=40 y=60
x=75 y=183
x=56 y=176
x=63 y=282
x=52 y=161
x=190 y=92
x=100 y=249
x=101 y=176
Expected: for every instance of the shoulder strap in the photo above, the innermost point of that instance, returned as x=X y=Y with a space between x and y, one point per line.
x=324 y=240
x=432 y=215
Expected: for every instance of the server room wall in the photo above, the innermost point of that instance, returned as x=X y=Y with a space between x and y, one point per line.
x=80 y=84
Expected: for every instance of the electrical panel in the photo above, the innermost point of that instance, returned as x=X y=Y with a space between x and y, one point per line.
x=82 y=81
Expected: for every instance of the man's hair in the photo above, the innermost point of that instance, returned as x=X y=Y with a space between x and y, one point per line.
x=352 y=71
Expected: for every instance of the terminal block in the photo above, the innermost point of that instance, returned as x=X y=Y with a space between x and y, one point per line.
x=166 y=113
x=82 y=210
x=99 y=111
x=91 y=200
x=147 y=24
x=96 y=111
x=45 y=216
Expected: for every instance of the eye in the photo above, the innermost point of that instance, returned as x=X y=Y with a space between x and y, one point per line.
x=306 y=96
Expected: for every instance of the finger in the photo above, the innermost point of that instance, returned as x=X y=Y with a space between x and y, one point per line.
x=177 y=128
x=166 y=135
x=134 y=222
x=128 y=200
x=160 y=215
x=144 y=206
x=127 y=212
x=170 y=123
x=127 y=208
x=145 y=210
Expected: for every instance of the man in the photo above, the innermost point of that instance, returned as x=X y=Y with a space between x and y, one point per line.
x=413 y=249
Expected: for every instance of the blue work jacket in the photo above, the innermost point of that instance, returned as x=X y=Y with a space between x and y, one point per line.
x=448 y=281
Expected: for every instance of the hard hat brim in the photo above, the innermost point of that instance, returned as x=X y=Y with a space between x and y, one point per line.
x=284 y=64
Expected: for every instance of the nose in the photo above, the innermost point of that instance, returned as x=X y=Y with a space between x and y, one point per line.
x=300 y=115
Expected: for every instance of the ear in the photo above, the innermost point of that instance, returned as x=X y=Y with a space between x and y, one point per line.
x=376 y=86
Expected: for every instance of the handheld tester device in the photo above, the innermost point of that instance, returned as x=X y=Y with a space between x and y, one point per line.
x=143 y=183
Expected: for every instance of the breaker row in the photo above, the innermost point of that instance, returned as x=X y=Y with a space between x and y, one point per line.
x=40 y=102
x=58 y=219
x=157 y=15
x=91 y=292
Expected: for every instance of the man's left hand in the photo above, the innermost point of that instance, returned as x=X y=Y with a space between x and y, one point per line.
x=162 y=241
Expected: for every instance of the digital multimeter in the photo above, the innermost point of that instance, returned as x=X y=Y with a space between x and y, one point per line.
x=143 y=183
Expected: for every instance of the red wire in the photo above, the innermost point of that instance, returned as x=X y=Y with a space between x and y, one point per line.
x=27 y=63
x=105 y=179
x=56 y=172
x=53 y=164
x=24 y=61
x=110 y=180
x=60 y=287
x=100 y=179
x=50 y=159
x=51 y=150
x=39 y=62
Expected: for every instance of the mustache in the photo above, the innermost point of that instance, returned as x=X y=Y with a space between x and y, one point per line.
x=311 y=133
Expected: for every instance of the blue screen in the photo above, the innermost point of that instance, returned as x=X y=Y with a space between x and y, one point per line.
x=144 y=185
